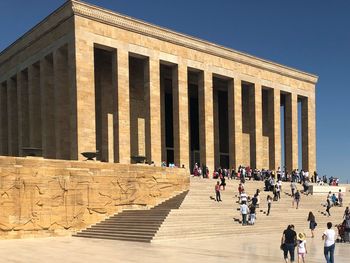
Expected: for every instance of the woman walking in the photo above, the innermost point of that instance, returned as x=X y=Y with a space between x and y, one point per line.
x=288 y=242
x=269 y=201
x=312 y=223
x=328 y=206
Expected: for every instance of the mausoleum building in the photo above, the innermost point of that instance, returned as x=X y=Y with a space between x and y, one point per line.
x=88 y=79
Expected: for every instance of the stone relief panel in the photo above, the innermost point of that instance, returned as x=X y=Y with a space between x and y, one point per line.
x=39 y=198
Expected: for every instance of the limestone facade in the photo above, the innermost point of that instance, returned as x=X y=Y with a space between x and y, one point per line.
x=87 y=79
x=41 y=197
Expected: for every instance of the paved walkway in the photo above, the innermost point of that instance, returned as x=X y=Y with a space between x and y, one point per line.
x=226 y=249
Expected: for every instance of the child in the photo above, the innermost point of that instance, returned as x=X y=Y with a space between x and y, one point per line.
x=301 y=247
x=252 y=214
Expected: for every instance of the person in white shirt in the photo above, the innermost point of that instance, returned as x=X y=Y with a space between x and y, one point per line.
x=243 y=197
x=244 y=211
x=329 y=243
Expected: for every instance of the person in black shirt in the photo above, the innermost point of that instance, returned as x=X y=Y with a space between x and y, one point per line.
x=288 y=242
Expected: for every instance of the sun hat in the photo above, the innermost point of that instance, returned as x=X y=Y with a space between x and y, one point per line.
x=301 y=236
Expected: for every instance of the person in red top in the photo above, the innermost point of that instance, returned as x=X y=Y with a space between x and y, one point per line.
x=240 y=189
x=217 y=192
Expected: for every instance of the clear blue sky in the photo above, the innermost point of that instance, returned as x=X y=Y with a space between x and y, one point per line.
x=312 y=36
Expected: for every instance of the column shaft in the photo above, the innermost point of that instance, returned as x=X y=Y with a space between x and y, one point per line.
x=235 y=122
x=83 y=132
x=206 y=123
x=34 y=103
x=153 y=134
x=256 y=127
x=291 y=132
x=122 y=108
x=12 y=117
x=47 y=107
x=23 y=110
x=62 y=103
x=308 y=134
x=274 y=114
x=180 y=111
x=3 y=120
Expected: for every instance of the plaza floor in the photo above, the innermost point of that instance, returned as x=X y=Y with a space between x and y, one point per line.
x=251 y=248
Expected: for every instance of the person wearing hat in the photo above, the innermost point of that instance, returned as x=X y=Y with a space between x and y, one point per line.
x=301 y=247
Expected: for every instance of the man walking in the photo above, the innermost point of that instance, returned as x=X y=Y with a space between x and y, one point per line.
x=329 y=243
x=244 y=211
x=217 y=192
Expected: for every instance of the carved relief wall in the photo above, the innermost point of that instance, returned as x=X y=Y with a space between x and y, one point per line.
x=48 y=197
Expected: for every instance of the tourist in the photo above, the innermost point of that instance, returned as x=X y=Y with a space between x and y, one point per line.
x=222 y=179
x=302 y=250
x=347 y=228
x=329 y=243
x=312 y=223
x=240 y=188
x=346 y=212
x=257 y=197
x=217 y=192
x=195 y=170
x=279 y=188
x=254 y=200
x=293 y=187
x=243 y=197
x=244 y=211
x=288 y=242
x=340 y=198
x=334 y=200
x=252 y=214
x=328 y=206
x=296 y=198
x=269 y=201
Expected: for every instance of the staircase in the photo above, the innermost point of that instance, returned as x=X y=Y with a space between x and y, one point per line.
x=134 y=225
x=200 y=216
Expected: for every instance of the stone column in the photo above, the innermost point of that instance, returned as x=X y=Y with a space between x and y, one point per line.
x=47 y=107
x=62 y=103
x=12 y=117
x=235 y=122
x=256 y=126
x=216 y=129
x=83 y=132
x=34 y=102
x=122 y=114
x=291 y=132
x=3 y=119
x=180 y=112
x=153 y=129
x=206 y=119
x=274 y=113
x=23 y=110
x=162 y=108
x=308 y=134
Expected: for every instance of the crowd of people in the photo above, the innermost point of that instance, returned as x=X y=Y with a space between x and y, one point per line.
x=290 y=241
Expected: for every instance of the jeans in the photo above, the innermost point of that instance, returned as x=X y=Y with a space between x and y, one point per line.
x=244 y=219
x=252 y=219
x=329 y=250
x=218 y=197
x=289 y=248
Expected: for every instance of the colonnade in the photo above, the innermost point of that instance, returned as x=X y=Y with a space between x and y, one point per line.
x=51 y=105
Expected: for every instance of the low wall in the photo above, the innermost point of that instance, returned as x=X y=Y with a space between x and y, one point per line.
x=41 y=197
x=321 y=189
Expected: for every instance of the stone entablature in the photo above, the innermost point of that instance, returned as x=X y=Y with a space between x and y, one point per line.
x=40 y=197
x=92 y=12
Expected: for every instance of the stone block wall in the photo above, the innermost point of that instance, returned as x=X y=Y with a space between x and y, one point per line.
x=41 y=197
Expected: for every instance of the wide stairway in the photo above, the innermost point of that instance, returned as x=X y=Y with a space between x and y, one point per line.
x=134 y=225
x=200 y=216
